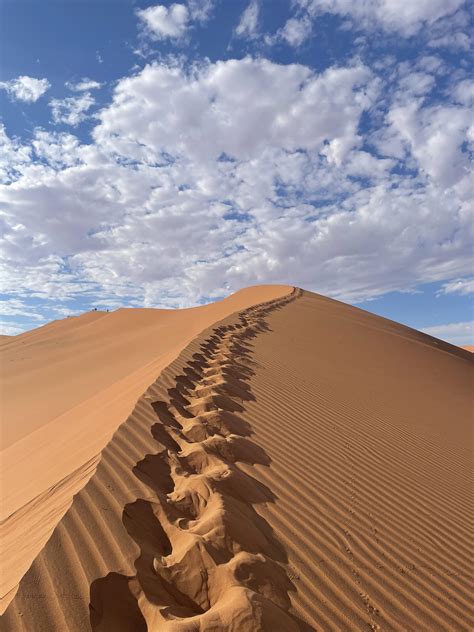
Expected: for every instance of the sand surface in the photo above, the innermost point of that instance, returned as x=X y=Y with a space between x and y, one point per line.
x=300 y=465
x=66 y=387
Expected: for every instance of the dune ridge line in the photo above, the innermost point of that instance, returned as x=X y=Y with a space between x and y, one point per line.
x=366 y=506
x=207 y=560
x=94 y=368
x=91 y=541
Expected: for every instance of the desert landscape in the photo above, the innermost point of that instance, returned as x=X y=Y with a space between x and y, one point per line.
x=236 y=329
x=274 y=461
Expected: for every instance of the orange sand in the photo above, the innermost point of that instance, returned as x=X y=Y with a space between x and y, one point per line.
x=67 y=386
x=298 y=465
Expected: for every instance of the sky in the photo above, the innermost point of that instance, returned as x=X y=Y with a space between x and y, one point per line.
x=166 y=155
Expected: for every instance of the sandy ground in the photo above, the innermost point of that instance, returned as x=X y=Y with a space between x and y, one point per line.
x=300 y=465
x=66 y=387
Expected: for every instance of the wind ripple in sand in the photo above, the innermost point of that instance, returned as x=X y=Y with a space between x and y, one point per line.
x=368 y=427
x=207 y=559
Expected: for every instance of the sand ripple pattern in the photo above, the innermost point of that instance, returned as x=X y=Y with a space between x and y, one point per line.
x=363 y=519
x=369 y=428
x=207 y=560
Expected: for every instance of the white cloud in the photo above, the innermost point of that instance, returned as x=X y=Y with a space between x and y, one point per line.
x=452 y=32
x=435 y=135
x=403 y=16
x=364 y=165
x=455 y=41
x=83 y=85
x=248 y=24
x=458 y=286
x=446 y=24
x=163 y=22
x=464 y=92
x=187 y=192
x=296 y=30
x=415 y=84
x=58 y=150
x=7 y=329
x=460 y=334
x=17 y=307
x=71 y=110
x=431 y=64
x=13 y=156
x=24 y=88
x=202 y=115
x=200 y=10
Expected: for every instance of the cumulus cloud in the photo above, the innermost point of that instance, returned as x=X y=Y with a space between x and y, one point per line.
x=452 y=32
x=71 y=110
x=248 y=24
x=7 y=329
x=296 y=30
x=25 y=88
x=201 y=115
x=455 y=41
x=57 y=150
x=460 y=334
x=436 y=136
x=13 y=156
x=84 y=85
x=203 y=179
x=415 y=84
x=402 y=16
x=163 y=22
x=464 y=92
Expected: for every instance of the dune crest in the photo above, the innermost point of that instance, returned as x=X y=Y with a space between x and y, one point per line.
x=207 y=560
x=67 y=387
x=300 y=465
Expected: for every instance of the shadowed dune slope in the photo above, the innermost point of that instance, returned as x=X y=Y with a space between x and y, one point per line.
x=66 y=387
x=302 y=465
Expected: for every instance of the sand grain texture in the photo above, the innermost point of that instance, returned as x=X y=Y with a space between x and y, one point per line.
x=301 y=465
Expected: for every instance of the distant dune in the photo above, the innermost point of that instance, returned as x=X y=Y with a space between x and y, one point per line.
x=469 y=348
x=274 y=461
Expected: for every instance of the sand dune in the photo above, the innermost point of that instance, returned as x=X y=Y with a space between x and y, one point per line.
x=66 y=388
x=300 y=465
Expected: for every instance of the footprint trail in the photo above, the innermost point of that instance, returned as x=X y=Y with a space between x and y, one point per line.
x=207 y=560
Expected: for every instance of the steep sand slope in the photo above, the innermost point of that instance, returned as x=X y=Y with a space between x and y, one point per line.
x=91 y=539
x=66 y=387
x=301 y=465
x=368 y=425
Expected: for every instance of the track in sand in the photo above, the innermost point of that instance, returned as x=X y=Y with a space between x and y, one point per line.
x=302 y=465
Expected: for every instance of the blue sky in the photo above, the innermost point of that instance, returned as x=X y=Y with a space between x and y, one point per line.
x=168 y=154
